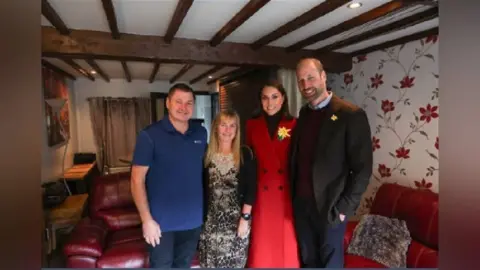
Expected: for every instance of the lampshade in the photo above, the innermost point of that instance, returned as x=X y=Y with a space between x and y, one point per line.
x=56 y=103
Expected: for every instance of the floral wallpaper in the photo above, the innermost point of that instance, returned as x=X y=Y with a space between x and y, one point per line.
x=398 y=88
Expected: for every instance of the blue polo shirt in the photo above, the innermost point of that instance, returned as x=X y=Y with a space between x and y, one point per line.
x=174 y=179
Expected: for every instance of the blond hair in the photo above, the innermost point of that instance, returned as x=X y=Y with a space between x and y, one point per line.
x=214 y=145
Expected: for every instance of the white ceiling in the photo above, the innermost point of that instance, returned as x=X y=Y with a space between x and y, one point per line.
x=371 y=25
x=404 y=32
x=206 y=17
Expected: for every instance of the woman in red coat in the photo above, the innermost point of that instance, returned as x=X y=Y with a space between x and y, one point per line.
x=273 y=241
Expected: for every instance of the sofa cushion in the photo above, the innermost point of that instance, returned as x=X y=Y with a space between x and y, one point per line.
x=421 y=256
x=419 y=208
x=111 y=191
x=381 y=239
x=354 y=261
x=87 y=239
x=195 y=261
x=127 y=255
x=124 y=236
x=120 y=218
x=351 y=225
x=80 y=261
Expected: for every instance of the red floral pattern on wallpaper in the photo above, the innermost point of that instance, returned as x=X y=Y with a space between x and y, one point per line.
x=398 y=88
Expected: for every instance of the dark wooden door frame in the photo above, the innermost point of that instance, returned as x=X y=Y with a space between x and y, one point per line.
x=215 y=104
x=153 y=103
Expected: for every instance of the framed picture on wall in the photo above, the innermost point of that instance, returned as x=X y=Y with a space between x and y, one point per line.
x=57 y=119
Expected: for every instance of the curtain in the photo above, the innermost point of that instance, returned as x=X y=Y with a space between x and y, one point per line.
x=97 y=120
x=288 y=78
x=143 y=113
x=116 y=123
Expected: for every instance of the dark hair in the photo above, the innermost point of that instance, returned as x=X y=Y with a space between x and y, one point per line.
x=284 y=109
x=180 y=87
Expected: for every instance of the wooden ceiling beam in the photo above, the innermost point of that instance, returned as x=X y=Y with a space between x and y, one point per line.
x=97 y=69
x=52 y=16
x=126 y=71
x=79 y=69
x=111 y=18
x=307 y=17
x=395 y=42
x=363 y=18
x=242 y=16
x=233 y=73
x=206 y=73
x=433 y=3
x=156 y=66
x=177 y=19
x=83 y=44
x=415 y=19
x=58 y=70
x=181 y=72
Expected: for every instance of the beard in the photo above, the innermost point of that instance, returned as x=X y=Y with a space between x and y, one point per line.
x=312 y=93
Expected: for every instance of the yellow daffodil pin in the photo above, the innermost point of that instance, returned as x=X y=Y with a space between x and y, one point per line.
x=334 y=117
x=283 y=133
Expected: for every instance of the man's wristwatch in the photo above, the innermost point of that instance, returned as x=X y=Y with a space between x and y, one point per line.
x=246 y=216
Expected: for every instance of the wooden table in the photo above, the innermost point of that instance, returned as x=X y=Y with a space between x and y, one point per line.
x=78 y=173
x=65 y=215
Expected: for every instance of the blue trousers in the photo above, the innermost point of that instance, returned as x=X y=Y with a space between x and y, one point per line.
x=321 y=244
x=176 y=250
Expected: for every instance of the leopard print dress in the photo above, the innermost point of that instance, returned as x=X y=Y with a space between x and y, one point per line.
x=219 y=245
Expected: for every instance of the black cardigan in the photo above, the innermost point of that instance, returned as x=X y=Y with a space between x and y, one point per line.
x=247 y=180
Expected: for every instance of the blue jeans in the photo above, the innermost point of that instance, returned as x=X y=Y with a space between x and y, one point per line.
x=176 y=250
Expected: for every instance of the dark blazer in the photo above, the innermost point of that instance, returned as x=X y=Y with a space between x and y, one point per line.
x=247 y=180
x=343 y=159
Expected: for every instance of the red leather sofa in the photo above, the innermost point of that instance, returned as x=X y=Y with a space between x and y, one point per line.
x=419 y=209
x=111 y=235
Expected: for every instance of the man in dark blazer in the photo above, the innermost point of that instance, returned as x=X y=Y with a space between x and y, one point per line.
x=330 y=167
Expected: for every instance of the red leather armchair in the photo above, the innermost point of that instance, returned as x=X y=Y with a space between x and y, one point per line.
x=111 y=236
x=419 y=208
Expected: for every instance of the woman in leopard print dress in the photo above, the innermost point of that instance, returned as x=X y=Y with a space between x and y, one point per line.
x=229 y=192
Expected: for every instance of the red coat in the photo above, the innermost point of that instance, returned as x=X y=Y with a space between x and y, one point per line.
x=273 y=241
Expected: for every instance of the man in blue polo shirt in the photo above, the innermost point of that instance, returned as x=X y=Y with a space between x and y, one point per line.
x=167 y=182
